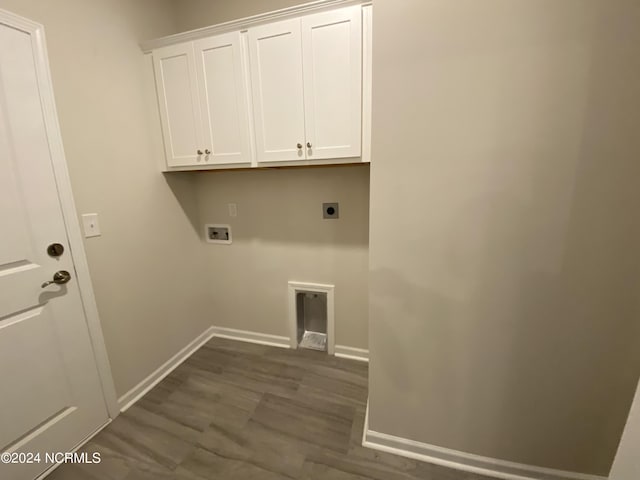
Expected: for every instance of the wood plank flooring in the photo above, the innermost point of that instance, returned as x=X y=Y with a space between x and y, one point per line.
x=239 y=411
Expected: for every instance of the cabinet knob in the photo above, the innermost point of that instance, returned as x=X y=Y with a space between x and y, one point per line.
x=308 y=144
x=199 y=152
x=299 y=146
x=207 y=151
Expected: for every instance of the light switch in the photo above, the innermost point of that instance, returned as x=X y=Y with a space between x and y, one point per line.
x=91 y=225
x=233 y=209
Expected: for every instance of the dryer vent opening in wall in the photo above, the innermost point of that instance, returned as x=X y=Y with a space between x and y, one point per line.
x=311 y=320
x=312 y=316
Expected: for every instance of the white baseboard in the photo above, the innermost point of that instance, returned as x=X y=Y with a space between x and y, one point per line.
x=352 y=353
x=133 y=395
x=137 y=392
x=365 y=429
x=251 y=337
x=343 y=351
x=464 y=461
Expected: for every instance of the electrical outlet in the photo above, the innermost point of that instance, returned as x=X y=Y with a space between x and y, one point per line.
x=233 y=209
x=330 y=210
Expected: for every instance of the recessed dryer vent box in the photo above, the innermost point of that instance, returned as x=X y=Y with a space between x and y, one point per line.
x=311 y=320
x=218 y=233
x=311 y=316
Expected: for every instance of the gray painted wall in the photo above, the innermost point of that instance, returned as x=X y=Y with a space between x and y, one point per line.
x=279 y=235
x=504 y=266
x=192 y=14
x=146 y=267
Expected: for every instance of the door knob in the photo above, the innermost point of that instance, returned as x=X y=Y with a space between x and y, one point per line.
x=199 y=152
x=308 y=144
x=207 y=151
x=299 y=146
x=59 y=278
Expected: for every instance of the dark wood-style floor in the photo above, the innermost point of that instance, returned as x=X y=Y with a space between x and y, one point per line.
x=239 y=411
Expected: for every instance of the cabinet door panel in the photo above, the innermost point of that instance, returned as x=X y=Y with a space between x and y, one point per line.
x=276 y=77
x=223 y=99
x=178 y=101
x=332 y=57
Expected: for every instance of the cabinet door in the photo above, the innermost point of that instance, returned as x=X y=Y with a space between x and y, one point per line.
x=223 y=99
x=275 y=52
x=178 y=101
x=332 y=57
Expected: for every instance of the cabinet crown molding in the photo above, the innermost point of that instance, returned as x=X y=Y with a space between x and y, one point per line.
x=247 y=22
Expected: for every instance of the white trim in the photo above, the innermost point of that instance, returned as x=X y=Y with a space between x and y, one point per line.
x=626 y=463
x=367 y=80
x=251 y=337
x=20 y=23
x=463 y=461
x=75 y=449
x=365 y=429
x=268 y=165
x=65 y=194
x=137 y=392
x=247 y=22
x=293 y=288
x=353 y=353
x=246 y=74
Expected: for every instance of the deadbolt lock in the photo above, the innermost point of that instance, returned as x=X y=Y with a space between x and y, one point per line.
x=55 y=250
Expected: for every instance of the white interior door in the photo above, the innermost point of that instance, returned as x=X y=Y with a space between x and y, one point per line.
x=332 y=58
x=51 y=396
x=275 y=52
x=223 y=99
x=178 y=100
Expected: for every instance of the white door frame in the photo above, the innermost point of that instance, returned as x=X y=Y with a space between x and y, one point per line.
x=626 y=465
x=65 y=194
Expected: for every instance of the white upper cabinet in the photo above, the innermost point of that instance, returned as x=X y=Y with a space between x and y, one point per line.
x=179 y=103
x=275 y=52
x=332 y=58
x=251 y=93
x=202 y=94
x=223 y=99
x=306 y=77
